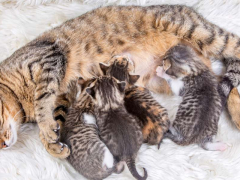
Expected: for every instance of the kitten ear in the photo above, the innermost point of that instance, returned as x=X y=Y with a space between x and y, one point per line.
x=104 y=68
x=90 y=91
x=166 y=64
x=121 y=86
x=133 y=79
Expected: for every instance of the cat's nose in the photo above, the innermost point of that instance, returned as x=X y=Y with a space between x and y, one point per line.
x=3 y=145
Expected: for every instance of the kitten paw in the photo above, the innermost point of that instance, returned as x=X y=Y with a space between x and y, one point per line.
x=160 y=71
x=108 y=160
x=50 y=131
x=215 y=146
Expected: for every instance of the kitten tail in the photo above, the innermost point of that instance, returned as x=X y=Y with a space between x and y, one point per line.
x=132 y=168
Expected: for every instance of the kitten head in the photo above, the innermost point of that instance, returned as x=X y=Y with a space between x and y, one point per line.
x=11 y=116
x=106 y=92
x=82 y=99
x=120 y=70
x=181 y=61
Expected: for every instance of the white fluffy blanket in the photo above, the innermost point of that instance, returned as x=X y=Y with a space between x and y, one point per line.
x=23 y=20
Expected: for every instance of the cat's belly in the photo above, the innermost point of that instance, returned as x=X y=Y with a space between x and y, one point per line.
x=145 y=55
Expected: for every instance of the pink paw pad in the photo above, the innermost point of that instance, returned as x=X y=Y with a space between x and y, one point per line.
x=216 y=146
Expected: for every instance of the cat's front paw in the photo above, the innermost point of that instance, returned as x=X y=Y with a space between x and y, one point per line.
x=124 y=61
x=160 y=71
x=50 y=131
x=58 y=150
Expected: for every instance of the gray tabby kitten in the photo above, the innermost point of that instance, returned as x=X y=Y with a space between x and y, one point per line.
x=117 y=128
x=152 y=117
x=198 y=114
x=89 y=155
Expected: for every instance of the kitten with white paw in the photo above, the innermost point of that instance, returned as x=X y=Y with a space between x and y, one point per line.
x=198 y=114
x=89 y=155
x=118 y=129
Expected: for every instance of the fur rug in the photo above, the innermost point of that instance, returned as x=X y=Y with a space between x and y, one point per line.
x=23 y=20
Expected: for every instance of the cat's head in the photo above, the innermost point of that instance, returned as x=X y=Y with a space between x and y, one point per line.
x=106 y=92
x=11 y=116
x=119 y=69
x=181 y=61
x=82 y=98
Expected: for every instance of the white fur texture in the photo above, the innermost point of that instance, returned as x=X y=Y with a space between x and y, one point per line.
x=89 y=118
x=108 y=159
x=23 y=20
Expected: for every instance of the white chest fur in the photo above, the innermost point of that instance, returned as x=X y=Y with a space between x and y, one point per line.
x=176 y=85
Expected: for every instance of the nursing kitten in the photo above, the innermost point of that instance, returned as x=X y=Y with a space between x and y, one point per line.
x=117 y=128
x=198 y=114
x=151 y=116
x=89 y=155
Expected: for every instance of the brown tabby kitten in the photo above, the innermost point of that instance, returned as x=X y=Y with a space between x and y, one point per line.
x=89 y=155
x=117 y=128
x=44 y=68
x=151 y=116
x=198 y=113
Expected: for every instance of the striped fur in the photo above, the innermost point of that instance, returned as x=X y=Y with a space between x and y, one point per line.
x=198 y=114
x=152 y=117
x=89 y=155
x=118 y=129
x=44 y=68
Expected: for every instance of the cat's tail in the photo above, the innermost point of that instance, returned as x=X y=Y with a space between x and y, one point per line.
x=132 y=168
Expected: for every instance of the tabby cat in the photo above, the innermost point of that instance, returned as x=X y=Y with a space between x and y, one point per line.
x=198 y=113
x=89 y=155
x=151 y=116
x=33 y=77
x=117 y=128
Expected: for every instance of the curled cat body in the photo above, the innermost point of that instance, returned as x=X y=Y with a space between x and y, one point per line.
x=198 y=114
x=44 y=68
x=89 y=155
x=118 y=129
x=152 y=117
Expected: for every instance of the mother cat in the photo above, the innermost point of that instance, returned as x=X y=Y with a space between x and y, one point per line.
x=33 y=77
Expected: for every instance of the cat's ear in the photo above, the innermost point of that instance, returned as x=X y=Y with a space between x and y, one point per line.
x=121 y=86
x=133 y=79
x=90 y=91
x=166 y=64
x=104 y=68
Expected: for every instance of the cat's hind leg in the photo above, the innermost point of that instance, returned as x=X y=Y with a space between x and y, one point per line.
x=211 y=144
x=108 y=159
x=214 y=146
x=119 y=167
